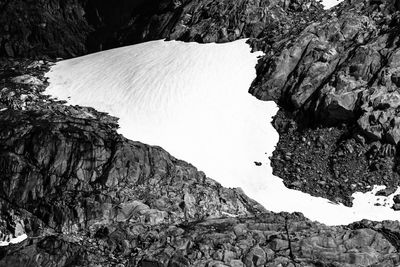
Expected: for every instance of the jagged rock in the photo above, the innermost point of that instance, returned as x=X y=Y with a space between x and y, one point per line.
x=385 y=192
x=27 y=79
x=76 y=157
x=94 y=25
x=396 y=78
x=87 y=196
x=396 y=206
x=332 y=63
x=255 y=257
x=396 y=199
x=379 y=120
x=340 y=106
x=193 y=244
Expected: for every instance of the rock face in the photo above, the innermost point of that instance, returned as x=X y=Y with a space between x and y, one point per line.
x=66 y=170
x=341 y=72
x=54 y=155
x=75 y=27
x=87 y=196
x=268 y=240
x=339 y=67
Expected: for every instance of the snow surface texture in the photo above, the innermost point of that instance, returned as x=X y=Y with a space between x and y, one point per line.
x=330 y=3
x=14 y=240
x=192 y=100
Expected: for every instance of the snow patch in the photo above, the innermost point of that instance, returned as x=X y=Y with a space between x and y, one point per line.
x=192 y=100
x=14 y=240
x=330 y=3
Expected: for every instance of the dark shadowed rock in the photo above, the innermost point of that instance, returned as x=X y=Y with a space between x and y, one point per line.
x=75 y=27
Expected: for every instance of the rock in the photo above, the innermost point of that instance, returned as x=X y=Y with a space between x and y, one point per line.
x=8 y=50
x=178 y=261
x=27 y=79
x=396 y=78
x=35 y=64
x=396 y=199
x=100 y=25
x=88 y=196
x=379 y=121
x=396 y=206
x=386 y=192
x=255 y=257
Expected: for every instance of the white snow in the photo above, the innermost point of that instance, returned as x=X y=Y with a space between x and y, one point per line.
x=330 y=3
x=192 y=100
x=14 y=240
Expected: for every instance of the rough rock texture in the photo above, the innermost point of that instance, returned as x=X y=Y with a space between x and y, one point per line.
x=266 y=240
x=74 y=27
x=87 y=196
x=338 y=67
x=338 y=82
x=68 y=167
x=332 y=162
x=325 y=67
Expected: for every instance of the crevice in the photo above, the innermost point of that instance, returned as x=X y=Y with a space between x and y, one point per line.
x=291 y=254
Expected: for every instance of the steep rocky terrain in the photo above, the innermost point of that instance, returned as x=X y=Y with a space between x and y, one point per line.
x=326 y=69
x=87 y=196
x=75 y=27
x=338 y=80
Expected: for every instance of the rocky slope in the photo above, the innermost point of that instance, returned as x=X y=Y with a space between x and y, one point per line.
x=338 y=81
x=69 y=28
x=66 y=170
x=326 y=69
x=87 y=196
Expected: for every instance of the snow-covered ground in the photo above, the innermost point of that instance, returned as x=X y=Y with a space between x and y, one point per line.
x=14 y=240
x=330 y=3
x=192 y=100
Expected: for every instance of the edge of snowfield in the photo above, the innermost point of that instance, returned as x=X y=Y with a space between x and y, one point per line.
x=192 y=99
x=330 y=3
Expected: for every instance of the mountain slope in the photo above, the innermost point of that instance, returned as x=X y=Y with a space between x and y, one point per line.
x=193 y=101
x=337 y=84
x=75 y=27
x=273 y=240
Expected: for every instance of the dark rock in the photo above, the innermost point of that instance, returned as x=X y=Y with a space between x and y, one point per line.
x=396 y=199
x=396 y=206
x=396 y=78
x=386 y=192
x=94 y=25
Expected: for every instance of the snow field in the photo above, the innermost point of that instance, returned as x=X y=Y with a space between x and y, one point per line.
x=192 y=100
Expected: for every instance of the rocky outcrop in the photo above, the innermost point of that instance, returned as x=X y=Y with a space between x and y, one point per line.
x=265 y=240
x=337 y=81
x=87 y=196
x=75 y=27
x=67 y=167
x=339 y=67
x=65 y=170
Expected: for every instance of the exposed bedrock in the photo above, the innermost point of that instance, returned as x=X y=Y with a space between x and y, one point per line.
x=267 y=240
x=337 y=80
x=69 y=168
x=86 y=195
x=327 y=64
x=75 y=27
x=341 y=68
